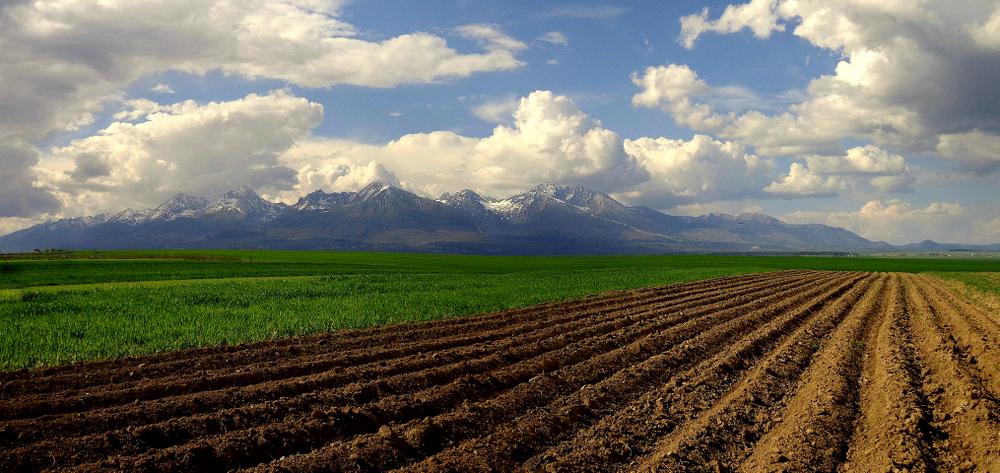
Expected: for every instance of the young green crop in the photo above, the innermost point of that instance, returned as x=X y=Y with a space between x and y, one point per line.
x=42 y=327
x=149 y=265
x=57 y=308
x=988 y=283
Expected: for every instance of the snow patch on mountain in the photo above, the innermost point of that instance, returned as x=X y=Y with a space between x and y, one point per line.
x=242 y=203
x=179 y=206
x=130 y=216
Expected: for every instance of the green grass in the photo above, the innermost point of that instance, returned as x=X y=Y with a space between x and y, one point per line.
x=41 y=327
x=92 y=305
x=984 y=282
x=100 y=267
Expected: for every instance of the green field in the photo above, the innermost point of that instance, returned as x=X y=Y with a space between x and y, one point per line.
x=91 y=305
x=986 y=283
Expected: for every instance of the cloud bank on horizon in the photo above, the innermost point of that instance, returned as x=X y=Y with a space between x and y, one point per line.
x=882 y=117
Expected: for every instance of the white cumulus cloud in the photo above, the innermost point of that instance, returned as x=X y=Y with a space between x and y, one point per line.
x=898 y=221
x=198 y=148
x=499 y=110
x=548 y=139
x=553 y=140
x=894 y=86
x=62 y=62
x=162 y=88
x=697 y=170
x=803 y=182
x=757 y=16
x=859 y=160
x=862 y=168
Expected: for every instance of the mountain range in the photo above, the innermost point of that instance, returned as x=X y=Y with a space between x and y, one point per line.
x=548 y=219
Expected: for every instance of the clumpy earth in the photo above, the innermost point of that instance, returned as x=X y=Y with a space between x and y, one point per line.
x=784 y=371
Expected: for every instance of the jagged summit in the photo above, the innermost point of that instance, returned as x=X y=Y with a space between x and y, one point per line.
x=547 y=188
x=180 y=205
x=242 y=203
x=130 y=216
x=592 y=201
x=551 y=195
x=467 y=200
x=373 y=189
x=321 y=201
x=384 y=195
x=183 y=201
x=465 y=195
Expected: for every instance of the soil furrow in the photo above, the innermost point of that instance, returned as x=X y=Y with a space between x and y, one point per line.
x=632 y=432
x=215 y=366
x=819 y=418
x=491 y=357
x=516 y=442
x=305 y=433
x=984 y=320
x=967 y=419
x=893 y=429
x=136 y=414
x=722 y=435
x=778 y=371
x=967 y=325
x=383 y=450
x=56 y=403
x=110 y=371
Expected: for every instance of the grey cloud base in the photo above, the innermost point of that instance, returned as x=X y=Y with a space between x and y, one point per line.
x=18 y=195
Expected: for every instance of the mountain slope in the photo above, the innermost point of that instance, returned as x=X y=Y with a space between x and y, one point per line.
x=241 y=204
x=545 y=219
x=379 y=214
x=179 y=206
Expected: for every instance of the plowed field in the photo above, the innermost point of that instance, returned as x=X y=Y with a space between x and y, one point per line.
x=784 y=371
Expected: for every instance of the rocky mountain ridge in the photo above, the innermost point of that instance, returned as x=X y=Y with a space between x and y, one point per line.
x=546 y=219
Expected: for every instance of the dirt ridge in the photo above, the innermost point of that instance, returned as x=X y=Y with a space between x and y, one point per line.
x=780 y=371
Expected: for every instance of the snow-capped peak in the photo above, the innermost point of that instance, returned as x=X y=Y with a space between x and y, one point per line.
x=373 y=189
x=243 y=202
x=76 y=222
x=319 y=200
x=180 y=205
x=183 y=202
x=546 y=188
x=464 y=196
x=578 y=197
x=504 y=207
x=130 y=216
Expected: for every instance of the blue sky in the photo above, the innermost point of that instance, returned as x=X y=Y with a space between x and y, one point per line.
x=881 y=117
x=593 y=68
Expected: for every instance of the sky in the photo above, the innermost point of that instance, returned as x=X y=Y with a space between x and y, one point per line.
x=879 y=116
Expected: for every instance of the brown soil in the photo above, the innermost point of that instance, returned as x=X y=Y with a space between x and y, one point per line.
x=786 y=371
